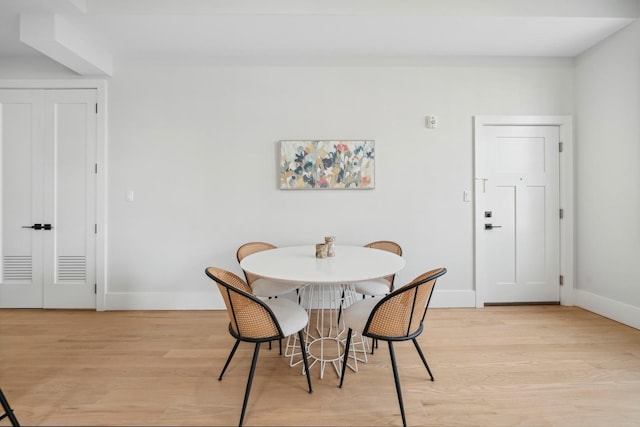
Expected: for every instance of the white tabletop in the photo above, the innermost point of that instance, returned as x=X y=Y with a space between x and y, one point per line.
x=299 y=264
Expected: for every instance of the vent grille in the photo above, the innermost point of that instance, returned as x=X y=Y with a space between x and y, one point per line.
x=16 y=268
x=72 y=268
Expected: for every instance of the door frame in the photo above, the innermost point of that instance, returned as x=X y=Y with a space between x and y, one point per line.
x=101 y=160
x=565 y=125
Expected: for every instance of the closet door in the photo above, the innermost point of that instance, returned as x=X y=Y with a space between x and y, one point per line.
x=49 y=170
x=22 y=182
x=69 y=198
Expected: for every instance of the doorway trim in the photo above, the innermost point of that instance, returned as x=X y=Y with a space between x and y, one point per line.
x=565 y=125
x=101 y=161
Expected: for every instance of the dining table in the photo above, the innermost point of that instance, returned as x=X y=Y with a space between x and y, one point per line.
x=326 y=288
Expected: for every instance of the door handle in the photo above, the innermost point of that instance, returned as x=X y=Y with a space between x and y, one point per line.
x=491 y=226
x=34 y=226
x=39 y=226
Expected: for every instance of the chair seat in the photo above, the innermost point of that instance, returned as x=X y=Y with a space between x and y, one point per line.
x=271 y=288
x=357 y=314
x=373 y=287
x=291 y=316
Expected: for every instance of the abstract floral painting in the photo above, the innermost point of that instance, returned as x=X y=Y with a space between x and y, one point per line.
x=327 y=164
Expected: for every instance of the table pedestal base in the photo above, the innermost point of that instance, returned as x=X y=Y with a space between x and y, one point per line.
x=325 y=335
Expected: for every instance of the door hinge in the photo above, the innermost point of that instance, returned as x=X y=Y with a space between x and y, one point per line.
x=95 y=228
x=561 y=280
x=95 y=288
x=96 y=108
x=561 y=213
x=96 y=169
x=560 y=146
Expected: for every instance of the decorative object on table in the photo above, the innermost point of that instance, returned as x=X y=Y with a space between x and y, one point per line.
x=321 y=250
x=398 y=316
x=330 y=244
x=257 y=321
x=327 y=164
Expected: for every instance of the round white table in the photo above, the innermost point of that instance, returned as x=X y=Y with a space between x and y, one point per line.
x=326 y=280
x=299 y=264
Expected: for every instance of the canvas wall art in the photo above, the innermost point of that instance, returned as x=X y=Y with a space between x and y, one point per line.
x=323 y=164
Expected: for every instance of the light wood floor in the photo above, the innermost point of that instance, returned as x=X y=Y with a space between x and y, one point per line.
x=498 y=366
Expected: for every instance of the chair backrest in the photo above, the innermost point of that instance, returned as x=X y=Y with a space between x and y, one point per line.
x=399 y=315
x=248 y=249
x=250 y=318
x=389 y=246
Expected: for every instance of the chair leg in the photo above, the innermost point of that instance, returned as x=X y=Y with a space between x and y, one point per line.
x=396 y=377
x=346 y=356
x=279 y=343
x=424 y=360
x=233 y=351
x=340 y=309
x=8 y=412
x=249 y=381
x=304 y=360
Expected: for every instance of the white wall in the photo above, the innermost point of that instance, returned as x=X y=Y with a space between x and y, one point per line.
x=198 y=144
x=608 y=177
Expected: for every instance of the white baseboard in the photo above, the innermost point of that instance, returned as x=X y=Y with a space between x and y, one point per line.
x=612 y=309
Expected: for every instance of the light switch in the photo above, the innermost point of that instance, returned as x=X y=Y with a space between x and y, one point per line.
x=466 y=196
x=130 y=196
x=432 y=122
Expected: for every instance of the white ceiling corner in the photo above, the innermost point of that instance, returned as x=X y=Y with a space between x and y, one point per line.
x=87 y=36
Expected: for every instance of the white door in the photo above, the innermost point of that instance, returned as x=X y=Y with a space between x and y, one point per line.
x=517 y=214
x=48 y=208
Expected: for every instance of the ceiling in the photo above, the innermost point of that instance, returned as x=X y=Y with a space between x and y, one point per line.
x=90 y=36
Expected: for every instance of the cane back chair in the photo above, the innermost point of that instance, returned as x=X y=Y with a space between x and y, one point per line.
x=383 y=285
x=263 y=287
x=257 y=321
x=398 y=316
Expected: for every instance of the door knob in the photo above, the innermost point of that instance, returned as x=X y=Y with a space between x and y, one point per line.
x=491 y=226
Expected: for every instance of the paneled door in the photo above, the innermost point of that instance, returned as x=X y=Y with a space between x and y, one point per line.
x=48 y=198
x=517 y=214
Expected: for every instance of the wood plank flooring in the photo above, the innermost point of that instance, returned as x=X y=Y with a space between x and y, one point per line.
x=496 y=366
